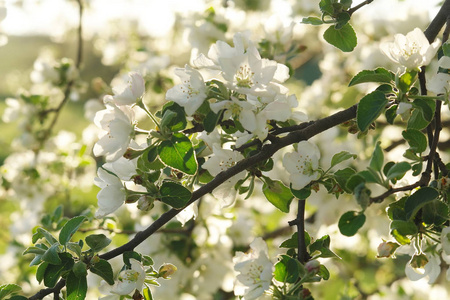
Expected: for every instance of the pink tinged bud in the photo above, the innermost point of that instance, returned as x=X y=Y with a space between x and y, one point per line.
x=312 y=266
x=386 y=249
x=166 y=270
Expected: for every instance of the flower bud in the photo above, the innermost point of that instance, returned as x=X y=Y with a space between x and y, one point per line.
x=312 y=266
x=166 y=270
x=386 y=249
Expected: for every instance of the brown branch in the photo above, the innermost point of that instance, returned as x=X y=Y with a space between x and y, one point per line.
x=353 y=9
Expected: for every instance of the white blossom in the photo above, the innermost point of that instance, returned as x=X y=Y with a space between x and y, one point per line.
x=255 y=271
x=222 y=160
x=191 y=92
x=411 y=51
x=128 y=94
x=432 y=269
x=117 y=124
x=440 y=83
x=112 y=194
x=445 y=239
x=302 y=164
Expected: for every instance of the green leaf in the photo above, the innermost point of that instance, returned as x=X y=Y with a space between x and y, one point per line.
x=287 y=270
x=210 y=121
x=34 y=250
x=70 y=228
x=76 y=287
x=178 y=153
x=341 y=20
x=342 y=176
x=326 y=6
x=398 y=170
x=391 y=113
x=340 y=157
x=406 y=80
x=8 y=289
x=369 y=109
x=417 y=200
x=147 y=293
x=173 y=117
x=416 y=140
x=343 y=39
x=376 y=162
x=41 y=271
x=301 y=194
x=292 y=242
x=426 y=107
x=324 y=273
x=127 y=255
x=277 y=194
x=75 y=247
x=174 y=194
x=362 y=195
x=435 y=213
x=53 y=272
x=417 y=121
x=312 y=21
x=51 y=255
x=322 y=245
x=103 y=269
x=42 y=233
x=97 y=242
x=354 y=181
x=351 y=222
x=18 y=297
x=404 y=228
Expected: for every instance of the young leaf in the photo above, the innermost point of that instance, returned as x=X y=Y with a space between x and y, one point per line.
x=8 y=289
x=404 y=228
x=287 y=270
x=76 y=287
x=51 y=255
x=343 y=38
x=417 y=200
x=173 y=117
x=277 y=194
x=312 y=21
x=41 y=271
x=70 y=228
x=398 y=170
x=178 y=153
x=292 y=242
x=174 y=194
x=103 y=269
x=435 y=213
x=42 y=233
x=97 y=242
x=378 y=75
x=351 y=222
x=340 y=157
x=301 y=194
x=369 y=108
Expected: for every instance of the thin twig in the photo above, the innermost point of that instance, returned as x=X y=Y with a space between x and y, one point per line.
x=353 y=9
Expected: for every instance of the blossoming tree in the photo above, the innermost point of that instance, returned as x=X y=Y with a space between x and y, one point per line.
x=199 y=168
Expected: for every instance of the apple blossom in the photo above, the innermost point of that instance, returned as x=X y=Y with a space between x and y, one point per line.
x=191 y=92
x=445 y=239
x=127 y=281
x=221 y=160
x=411 y=51
x=255 y=271
x=117 y=124
x=302 y=164
x=112 y=194
x=432 y=268
x=440 y=83
x=131 y=92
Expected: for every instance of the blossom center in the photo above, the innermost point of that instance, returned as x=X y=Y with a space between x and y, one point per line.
x=244 y=76
x=187 y=89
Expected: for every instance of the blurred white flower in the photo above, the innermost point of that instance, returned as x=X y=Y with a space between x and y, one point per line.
x=117 y=125
x=255 y=271
x=191 y=92
x=404 y=110
x=302 y=164
x=112 y=194
x=128 y=94
x=411 y=51
x=445 y=239
x=440 y=83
